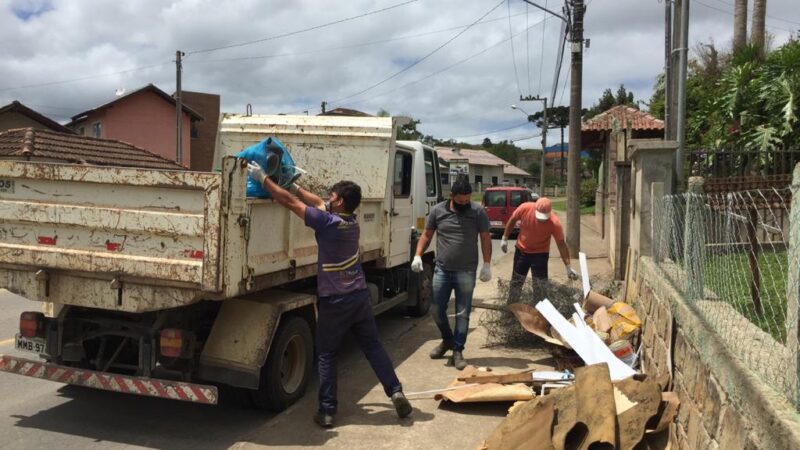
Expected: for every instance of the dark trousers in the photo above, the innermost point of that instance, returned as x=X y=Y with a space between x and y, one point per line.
x=337 y=316
x=536 y=263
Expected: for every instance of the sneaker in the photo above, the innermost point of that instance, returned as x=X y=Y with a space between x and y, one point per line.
x=401 y=404
x=439 y=351
x=323 y=419
x=458 y=360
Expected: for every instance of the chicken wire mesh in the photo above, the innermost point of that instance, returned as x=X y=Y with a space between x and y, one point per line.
x=729 y=255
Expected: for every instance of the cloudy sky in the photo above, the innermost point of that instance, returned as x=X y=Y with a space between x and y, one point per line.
x=448 y=63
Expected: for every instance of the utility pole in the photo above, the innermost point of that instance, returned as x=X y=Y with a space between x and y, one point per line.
x=544 y=137
x=178 y=107
x=683 y=58
x=667 y=69
x=322 y=106
x=573 y=157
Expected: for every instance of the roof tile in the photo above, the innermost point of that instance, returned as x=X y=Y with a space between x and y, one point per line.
x=620 y=117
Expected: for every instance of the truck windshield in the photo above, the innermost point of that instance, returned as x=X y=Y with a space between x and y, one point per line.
x=495 y=198
x=430 y=176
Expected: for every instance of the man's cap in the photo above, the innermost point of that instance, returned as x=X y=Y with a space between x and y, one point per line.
x=543 y=208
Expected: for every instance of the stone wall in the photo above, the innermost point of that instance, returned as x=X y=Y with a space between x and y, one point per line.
x=723 y=404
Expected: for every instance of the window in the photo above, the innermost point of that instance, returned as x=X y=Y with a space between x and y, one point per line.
x=81 y=131
x=193 y=133
x=430 y=175
x=478 y=178
x=97 y=129
x=445 y=178
x=495 y=198
x=517 y=198
x=494 y=181
x=402 y=175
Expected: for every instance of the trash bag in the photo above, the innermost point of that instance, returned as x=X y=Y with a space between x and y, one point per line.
x=276 y=161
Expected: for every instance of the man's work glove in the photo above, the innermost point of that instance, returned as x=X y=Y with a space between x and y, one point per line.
x=293 y=188
x=255 y=172
x=504 y=245
x=486 y=273
x=571 y=274
x=416 y=264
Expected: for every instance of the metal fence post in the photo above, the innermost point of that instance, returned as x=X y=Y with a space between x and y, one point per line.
x=793 y=289
x=656 y=215
x=694 y=239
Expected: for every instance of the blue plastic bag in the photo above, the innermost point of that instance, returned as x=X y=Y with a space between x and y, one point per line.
x=276 y=161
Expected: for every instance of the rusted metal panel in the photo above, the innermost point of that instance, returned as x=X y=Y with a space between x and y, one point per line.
x=329 y=148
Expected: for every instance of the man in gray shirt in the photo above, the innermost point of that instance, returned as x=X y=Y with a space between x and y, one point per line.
x=458 y=222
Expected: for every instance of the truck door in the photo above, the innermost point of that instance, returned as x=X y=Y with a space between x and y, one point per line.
x=433 y=187
x=401 y=214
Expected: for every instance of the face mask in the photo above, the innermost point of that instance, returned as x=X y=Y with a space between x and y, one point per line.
x=328 y=206
x=461 y=208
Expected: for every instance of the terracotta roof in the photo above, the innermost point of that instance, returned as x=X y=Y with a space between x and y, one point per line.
x=620 y=117
x=514 y=170
x=475 y=157
x=149 y=88
x=71 y=148
x=18 y=107
x=345 y=112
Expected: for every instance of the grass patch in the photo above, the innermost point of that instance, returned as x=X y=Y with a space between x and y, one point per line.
x=561 y=205
x=729 y=276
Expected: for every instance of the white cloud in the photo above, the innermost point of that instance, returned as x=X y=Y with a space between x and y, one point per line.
x=73 y=39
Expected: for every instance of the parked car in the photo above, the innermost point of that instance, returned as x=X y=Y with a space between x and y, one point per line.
x=501 y=202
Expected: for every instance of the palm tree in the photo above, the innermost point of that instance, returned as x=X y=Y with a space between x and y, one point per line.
x=739 y=24
x=758 y=37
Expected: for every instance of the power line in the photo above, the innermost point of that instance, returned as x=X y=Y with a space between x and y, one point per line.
x=405 y=69
x=304 y=30
x=513 y=55
x=731 y=13
x=541 y=56
x=89 y=77
x=345 y=47
x=768 y=16
x=444 y=69
x=528 y=47
x=490 y=132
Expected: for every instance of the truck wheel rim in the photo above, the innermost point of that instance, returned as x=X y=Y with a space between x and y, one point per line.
x=293 y=364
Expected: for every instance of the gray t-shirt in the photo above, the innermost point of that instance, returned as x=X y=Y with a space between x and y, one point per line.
x=457 y=235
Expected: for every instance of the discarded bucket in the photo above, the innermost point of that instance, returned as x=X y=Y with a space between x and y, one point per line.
x=624 y=351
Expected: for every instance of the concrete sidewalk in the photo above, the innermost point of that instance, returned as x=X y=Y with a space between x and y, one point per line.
x=366 y=418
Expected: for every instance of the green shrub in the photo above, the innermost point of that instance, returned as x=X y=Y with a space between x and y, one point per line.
x=588 y=191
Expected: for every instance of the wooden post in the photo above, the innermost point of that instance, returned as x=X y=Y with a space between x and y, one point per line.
x=755 y=280
x=793 y=289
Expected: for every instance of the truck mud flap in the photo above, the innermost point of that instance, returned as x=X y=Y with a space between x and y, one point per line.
x=150 y=387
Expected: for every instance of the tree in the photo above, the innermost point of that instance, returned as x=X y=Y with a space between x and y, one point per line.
x=487 y=143
x=557 y=117
x=739 y=24
x=383 y=113
x=609 y=100
x=759 y=36
x=623 y=96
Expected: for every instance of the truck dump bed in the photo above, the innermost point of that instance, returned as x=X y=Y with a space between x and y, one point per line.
x=142 y=240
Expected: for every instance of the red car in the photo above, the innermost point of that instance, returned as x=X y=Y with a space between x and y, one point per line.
x=501 y=202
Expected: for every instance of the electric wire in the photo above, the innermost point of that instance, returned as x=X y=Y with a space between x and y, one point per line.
x=731 y=13
x=88 y=77
x=541 y=56
x=415 y=63
x=490 y=132
x=513 y=54
x=768 y=16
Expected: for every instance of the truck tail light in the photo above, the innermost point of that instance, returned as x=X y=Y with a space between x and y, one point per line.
x=31 y=324
x=173 y=343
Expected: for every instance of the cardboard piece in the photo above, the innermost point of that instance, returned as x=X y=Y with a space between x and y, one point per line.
x=596 y=300
x=534 y=322
x=487 y=392
x=601 y=320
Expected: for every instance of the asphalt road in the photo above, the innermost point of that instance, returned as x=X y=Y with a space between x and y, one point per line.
x=42 y=414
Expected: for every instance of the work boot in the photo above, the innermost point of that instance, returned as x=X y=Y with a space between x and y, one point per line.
x=401 y=404
x=323 y=419
x=458 y=360
x=439 y=351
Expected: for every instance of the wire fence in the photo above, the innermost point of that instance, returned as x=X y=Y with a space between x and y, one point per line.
x=728 y=254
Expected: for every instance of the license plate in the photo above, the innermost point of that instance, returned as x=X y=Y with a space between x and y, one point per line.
x=496 y=223
x=33 y=345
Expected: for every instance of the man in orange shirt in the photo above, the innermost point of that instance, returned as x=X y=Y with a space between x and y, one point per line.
x=537 y=225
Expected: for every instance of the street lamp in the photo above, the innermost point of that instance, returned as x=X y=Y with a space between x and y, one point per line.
x=544 y=139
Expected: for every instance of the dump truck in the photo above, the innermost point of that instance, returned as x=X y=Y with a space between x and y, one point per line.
x=175 y=284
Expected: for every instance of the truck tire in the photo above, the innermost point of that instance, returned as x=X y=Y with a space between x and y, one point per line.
x=424 y=295
x=286 y=372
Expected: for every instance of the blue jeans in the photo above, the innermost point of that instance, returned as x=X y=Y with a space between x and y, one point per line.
x=444 y=283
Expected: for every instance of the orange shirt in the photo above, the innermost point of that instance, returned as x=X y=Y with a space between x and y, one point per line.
x=534 y=235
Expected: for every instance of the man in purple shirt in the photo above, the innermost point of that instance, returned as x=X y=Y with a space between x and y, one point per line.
x=343 y=298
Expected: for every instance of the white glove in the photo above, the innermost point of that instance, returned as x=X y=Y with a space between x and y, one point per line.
x=504 y=245
x=486 y=273
x=293 y=188
x=571 y=274
x=416 y=264
x=256 y=172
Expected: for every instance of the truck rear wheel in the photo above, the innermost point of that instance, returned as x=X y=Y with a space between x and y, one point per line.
x=285 y=374
x=424 y=294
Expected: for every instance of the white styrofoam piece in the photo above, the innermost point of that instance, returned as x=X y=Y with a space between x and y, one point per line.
x=584 y=273
x=551 y=375
x=585 y=342
x=579 y=310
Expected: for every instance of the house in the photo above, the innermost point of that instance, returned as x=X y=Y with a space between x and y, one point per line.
x=204 y=133
x=16 y=115
x=145 y=118
x=31 y=144
x=609 y=132
x=514 y=176
x=481 y=167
